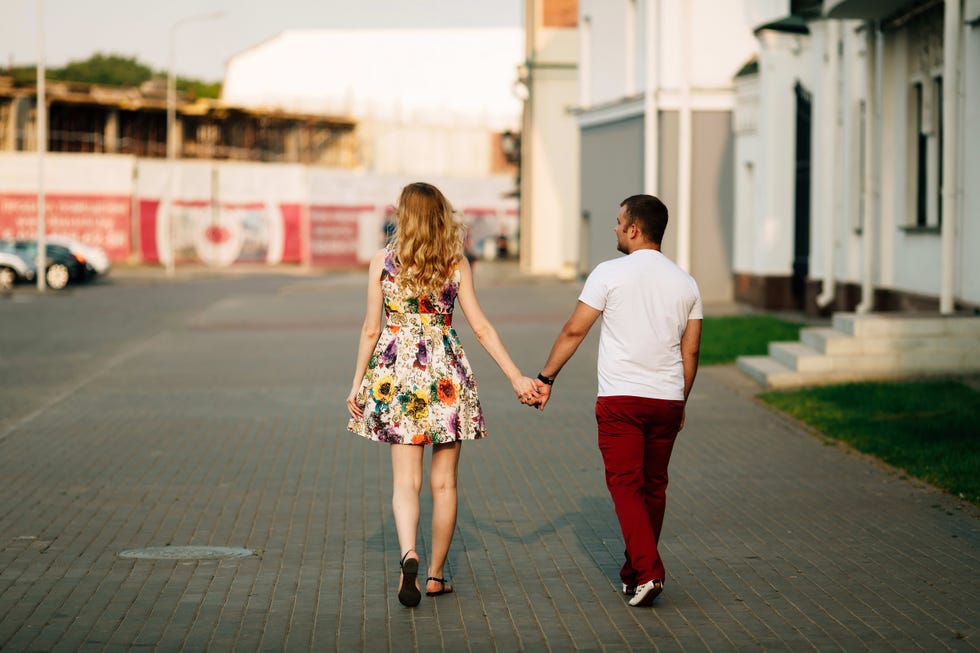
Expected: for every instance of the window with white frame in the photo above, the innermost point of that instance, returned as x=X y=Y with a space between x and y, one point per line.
x=925 y=47
x=927 y=163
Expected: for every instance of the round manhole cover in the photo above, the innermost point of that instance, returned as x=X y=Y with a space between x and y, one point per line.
x=186 y=553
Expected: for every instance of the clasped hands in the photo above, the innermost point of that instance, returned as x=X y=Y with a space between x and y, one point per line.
x=532 y=392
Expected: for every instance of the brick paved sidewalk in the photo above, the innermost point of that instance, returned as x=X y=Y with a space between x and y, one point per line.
x=222 y=423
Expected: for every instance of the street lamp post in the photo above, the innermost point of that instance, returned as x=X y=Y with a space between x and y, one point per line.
x=171 y=131
x=41 y=121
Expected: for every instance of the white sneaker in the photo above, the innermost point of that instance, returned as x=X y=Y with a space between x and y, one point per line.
x=629 y=590
x=646 y=593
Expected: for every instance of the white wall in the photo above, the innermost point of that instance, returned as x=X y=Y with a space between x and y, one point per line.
x=968 y=271
x=453 y=75
x=906 y=261
x=421 y=149
x=607 y=66
x=553 y=204
x=126 y=205
x=88 y=197
x=550 y=150
x=427 y=101
x=702 y=42
x=747 y=186
x=765 y=197
x=911 y=262
x=761 y=12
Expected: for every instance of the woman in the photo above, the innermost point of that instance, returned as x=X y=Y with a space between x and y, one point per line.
x=412 y=382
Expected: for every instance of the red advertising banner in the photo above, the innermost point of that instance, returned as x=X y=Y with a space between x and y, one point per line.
x=149 y=249
x=99 y=220
x=334 y=233
x=292 y=229
x=221 y=234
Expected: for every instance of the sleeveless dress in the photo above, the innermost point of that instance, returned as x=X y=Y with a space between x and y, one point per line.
x=418 y=387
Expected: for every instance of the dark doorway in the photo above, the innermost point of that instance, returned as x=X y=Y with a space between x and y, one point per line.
x=801 y=233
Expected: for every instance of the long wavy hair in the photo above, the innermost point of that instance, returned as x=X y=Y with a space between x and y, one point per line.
x=428 y=239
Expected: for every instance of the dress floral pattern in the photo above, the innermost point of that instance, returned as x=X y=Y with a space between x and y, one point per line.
x=418 y=387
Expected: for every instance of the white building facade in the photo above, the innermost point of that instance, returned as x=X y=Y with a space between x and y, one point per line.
x=656 y=97
x=550 y=233
x=427 y=101
x=857 y=175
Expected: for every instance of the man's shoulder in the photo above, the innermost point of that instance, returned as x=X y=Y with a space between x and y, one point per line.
x=665 y=262
x=637 y=263
x=612 y=265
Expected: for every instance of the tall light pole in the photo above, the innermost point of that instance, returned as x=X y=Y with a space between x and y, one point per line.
x=41 y=120
x=171 y=135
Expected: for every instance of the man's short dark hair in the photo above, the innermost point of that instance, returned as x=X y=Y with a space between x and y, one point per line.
x=649 y=214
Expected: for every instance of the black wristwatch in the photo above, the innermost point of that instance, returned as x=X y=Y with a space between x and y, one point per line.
x=543 y=379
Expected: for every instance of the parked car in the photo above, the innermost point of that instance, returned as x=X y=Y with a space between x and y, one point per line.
x=14 y=268
x=96 y=259
x=61 y=266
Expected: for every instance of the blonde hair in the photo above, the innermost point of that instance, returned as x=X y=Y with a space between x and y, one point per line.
x=428 y=239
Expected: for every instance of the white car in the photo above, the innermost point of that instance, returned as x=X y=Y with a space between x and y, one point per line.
x=95 y=257
x=14 y=268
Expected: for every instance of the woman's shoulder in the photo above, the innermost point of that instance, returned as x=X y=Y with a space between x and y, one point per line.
x=460 y=263
x=380 y=260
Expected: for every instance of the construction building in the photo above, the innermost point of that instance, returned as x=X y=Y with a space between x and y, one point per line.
x=129 y=120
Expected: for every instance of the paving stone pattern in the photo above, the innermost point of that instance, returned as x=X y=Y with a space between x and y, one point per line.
x=143 y=412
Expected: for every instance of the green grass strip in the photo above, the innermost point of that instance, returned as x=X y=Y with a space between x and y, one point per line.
x=723 y=339
x=930 y=429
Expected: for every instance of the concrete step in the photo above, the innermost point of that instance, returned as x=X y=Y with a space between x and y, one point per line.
x=904 y=325
x=874 y=346
x=836 y=343
x=827 y=340
x=799 y=357
x=768 y=372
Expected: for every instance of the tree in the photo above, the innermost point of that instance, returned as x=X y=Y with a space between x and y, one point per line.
x=109 y=69
x=113 y=70
x=198 y=88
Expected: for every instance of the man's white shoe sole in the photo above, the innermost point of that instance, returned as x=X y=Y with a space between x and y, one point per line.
x=646 y=593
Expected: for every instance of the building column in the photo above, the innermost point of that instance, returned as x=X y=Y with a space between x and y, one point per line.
x=774 y=204
x=826 y=165
x=953 y=28
x=17 y=123
x=111 y=132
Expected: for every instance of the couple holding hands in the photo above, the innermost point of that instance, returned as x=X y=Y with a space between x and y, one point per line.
x=413 y=385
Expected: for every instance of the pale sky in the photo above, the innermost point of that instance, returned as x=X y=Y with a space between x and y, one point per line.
x=77 y=29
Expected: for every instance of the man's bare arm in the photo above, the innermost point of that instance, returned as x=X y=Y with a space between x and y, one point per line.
x=690 y=353
x=567 y=342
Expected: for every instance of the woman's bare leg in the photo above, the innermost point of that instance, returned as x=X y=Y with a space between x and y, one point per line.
x=442 y=478
x=406 y=471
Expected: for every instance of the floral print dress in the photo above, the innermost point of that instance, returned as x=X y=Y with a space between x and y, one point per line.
x=418 y=388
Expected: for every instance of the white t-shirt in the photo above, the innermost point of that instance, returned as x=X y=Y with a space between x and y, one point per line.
x=646 y=301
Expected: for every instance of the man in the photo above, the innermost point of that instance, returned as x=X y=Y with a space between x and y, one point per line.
x=648 y=358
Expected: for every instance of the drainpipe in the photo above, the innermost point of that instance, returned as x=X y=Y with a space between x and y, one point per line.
x=651 y=110
x=630 y=63
x=684 y=137
x=585 y=62
x=528 y=259
x=871 y=157
x=829 y=123
x=951 y=78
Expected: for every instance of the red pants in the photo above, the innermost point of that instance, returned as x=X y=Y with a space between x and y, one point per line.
x=636 y=436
